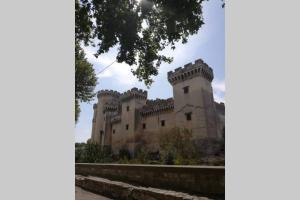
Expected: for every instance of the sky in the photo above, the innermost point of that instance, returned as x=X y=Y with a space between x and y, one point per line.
x=208 y=44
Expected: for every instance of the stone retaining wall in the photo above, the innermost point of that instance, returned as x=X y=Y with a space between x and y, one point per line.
x=202 y=180
x=124 y=191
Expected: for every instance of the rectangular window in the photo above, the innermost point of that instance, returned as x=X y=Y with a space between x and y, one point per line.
x=144 y=126
x=186 y=90
x=188 y=116
x=101 y=132
x=162 y=122
x=127 y=126
x=127 y=108
x=114 y=131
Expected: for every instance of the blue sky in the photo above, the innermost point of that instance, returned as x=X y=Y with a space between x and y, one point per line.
x=208 y=44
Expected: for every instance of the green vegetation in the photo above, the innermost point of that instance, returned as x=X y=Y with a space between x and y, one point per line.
x=92 y=153
x=177 y=148
x=141 y=29
x=85 y=80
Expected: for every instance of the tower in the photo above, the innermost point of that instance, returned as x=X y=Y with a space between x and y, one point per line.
x=108 y=101
x=193 y=99
x=131 y=101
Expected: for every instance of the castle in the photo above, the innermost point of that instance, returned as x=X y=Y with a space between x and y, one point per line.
x=129 y=119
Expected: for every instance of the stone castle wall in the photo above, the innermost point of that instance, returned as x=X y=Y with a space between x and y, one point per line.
x=127 y=120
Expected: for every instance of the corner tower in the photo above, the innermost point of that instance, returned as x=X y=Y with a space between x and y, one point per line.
x=193 y=99
x=108 y=104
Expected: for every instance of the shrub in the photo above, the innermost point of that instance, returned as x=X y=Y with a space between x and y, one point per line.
x=92 y=153
x=124 y=154
x=168 y=158
x=176 y=145
x=79 y=152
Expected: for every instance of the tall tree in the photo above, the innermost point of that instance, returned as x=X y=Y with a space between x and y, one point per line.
x=141 y=28
x=85 y=80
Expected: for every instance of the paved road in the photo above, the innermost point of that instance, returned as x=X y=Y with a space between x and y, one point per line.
x=81 y=194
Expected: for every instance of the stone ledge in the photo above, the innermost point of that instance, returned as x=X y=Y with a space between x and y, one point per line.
x=124 y=191
x=197 y=180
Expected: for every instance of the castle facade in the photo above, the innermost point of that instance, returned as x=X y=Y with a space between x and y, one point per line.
x=129 y=119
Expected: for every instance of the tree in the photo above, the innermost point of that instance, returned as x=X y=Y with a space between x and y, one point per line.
x=177 y=146
x=142 y=29
x=85 y=80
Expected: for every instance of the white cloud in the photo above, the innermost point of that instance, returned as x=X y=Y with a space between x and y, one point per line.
x=218 y=86
x=218 y=98
x=219 y=90
x=119 y=72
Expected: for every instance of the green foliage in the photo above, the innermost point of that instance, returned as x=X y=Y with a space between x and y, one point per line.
x=77 y=110
x=168 y=157
x=176 y=148
x=124 y=154
x=92 y=153
x=177 y=144
x=79 y=152
x=141 y=29
x=83 y=22
x=85 y=79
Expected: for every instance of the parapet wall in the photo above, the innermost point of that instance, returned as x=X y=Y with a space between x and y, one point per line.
x=156 y=106
x=134 y=93
x=199 y=68
x=204 y=180
x=108 y=93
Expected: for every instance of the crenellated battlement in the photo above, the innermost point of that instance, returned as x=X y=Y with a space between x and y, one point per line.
x=108 y=93
x=157 y=105
x=110 y=107
x=199 y=68
x=128 y=119
x=134 y=93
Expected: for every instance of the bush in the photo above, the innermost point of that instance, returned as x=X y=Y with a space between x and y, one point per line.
x=92 y=153
x=79 y=152
x=124 y=154
x=176 y=146
x=168 y=158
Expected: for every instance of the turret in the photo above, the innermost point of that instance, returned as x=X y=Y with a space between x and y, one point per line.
x=193 y=98
x=131 y=100
x=108 y=101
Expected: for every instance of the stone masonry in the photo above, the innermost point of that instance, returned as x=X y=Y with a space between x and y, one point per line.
x=129 y=119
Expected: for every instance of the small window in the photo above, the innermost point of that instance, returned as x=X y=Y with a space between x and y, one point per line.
x=186 y=90
x=127 y=108
x=144 y=126
x=188 y=116
x=162 y=122
x=101 y=132
x=127 y=126
x=114 y=131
